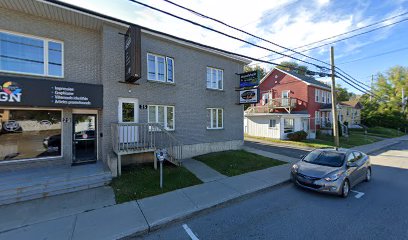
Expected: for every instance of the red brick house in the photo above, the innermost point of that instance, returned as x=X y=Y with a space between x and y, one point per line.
x=289 y=102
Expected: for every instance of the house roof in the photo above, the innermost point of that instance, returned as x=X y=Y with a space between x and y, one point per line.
x=308 y=80
x=352 y=103
x=72 y=14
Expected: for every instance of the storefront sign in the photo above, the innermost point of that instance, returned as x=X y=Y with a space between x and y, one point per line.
x=249 y=79
x=133 y=62
x=32 y=92
x=248 y=96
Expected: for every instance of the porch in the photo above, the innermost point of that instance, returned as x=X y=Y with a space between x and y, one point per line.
x=136 y=138
x=27 y=184
x=288 y=104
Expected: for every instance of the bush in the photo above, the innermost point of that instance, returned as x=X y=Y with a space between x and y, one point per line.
x=297 y=136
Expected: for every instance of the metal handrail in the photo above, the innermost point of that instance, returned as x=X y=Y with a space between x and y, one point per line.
x=128 y=138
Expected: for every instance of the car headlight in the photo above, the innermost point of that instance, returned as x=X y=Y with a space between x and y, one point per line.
x=333 y=177
x=295 y=168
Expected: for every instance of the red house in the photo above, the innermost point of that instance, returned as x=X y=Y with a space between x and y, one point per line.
x=289 y=102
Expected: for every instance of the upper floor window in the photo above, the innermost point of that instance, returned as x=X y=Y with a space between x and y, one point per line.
x=215 y=78
x=317 y=95
x=31 y=55
x=160 y=68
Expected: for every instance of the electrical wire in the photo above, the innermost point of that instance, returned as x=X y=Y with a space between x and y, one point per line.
x=376 y=55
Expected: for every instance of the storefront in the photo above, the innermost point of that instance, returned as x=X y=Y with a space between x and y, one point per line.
x=48 y=120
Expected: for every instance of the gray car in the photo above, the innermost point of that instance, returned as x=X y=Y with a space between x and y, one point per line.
x=331 y=170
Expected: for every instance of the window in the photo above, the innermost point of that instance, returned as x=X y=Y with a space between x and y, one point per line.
x=164 y=115
x=351 y=158
x=215 y=118
x=272 y=123
x=288 y=125
x=317 y=117
x=323 y=96
x=215 y=78
x=328 y=97
x=160 y=68
x=358 y=155
x=317 y=93
x=29 y=134
x=265 y=97
x=23 y=54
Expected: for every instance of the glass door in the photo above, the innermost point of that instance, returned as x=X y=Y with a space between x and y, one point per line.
x=128 y=115
x=84 y=138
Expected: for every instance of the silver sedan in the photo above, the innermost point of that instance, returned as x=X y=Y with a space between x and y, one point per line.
x=333 y=171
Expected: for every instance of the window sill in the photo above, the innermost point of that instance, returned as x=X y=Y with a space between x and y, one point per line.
x=161 y=82
x=30 y=74
x=216 y=90
x=215 y=129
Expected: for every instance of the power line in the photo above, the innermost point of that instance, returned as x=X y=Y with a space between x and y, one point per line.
x=376 y=55
x=219 y=32
x=240 y=30
x=346 y=38
x=352 y=77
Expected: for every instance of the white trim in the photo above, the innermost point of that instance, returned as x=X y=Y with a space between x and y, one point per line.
x=41 y=158
x=167 y=70
x=156 y=106
x=45 y=55
x=211 y=80
x=135 y=101
x=216 y=118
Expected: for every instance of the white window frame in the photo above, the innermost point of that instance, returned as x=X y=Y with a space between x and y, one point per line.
x=45 y=50
x=211 y=75
x=216 y=120
x=274 y=125
x=156 y=68
x=167 y=70
x=165 y=116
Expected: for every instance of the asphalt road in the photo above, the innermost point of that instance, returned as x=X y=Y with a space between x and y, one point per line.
x=288 y=212
x=283 y=150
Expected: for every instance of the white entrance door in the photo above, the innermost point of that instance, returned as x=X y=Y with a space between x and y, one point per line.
x=285 y=98
x=128 y=112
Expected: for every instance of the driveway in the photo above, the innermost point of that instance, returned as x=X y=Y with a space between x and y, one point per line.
x=290 y=151
x=376 y=210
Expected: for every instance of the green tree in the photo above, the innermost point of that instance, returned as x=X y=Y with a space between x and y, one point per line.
x=342 y=94
x=254 y=68
x=293 y=66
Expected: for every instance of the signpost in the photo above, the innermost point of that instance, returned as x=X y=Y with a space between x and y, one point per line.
x=133 y=62
x=161 y=155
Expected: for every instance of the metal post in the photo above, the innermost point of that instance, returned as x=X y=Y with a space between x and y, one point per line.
x=334 y=100
x=161 y=174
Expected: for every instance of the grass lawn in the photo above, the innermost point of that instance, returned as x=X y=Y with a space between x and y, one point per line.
x=236 y=162
x=354 y=139
x=143 y=181
x=380 y=132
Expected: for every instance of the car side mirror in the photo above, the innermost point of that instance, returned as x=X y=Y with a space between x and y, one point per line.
x=351 y=164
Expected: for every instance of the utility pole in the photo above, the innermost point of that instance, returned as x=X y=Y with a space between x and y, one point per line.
x=334 y=100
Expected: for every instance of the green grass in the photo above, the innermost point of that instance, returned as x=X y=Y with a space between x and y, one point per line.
x=380 y=132
x=143 y=181
x=354 y=139
x=236 y=162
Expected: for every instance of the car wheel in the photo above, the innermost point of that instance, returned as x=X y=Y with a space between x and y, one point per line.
x=368 y=175
x=345 y=190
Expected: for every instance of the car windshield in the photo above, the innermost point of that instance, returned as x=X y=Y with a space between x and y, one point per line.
x=325 y=158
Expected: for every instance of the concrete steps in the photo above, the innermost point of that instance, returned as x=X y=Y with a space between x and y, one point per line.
x=26 y=185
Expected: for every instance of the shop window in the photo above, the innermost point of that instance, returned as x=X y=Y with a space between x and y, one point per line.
x=164 y=115
x=160 y=68
x=215 y=78
x=288 y=125
x=215 y=118
x=29 y=134
x=26 y=55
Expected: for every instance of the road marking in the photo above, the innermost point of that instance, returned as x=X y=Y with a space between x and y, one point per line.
x=359 y=194
x=189 y=232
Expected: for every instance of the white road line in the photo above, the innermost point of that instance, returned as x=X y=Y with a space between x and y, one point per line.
x=359 y=194
x=189 y=232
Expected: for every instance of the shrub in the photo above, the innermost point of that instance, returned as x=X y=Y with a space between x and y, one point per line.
x=297 y=136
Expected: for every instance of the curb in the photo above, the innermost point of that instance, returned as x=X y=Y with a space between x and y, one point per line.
x=207 y=209
x=383 y=147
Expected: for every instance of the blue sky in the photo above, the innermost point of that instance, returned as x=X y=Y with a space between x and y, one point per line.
x=289 y=23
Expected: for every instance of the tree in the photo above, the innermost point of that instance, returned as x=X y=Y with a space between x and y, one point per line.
x=342 y=94
x=293 y=66
x=254 y=68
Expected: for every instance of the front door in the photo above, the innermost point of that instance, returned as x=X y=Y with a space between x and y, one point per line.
x=128 y=113
x=84 y=138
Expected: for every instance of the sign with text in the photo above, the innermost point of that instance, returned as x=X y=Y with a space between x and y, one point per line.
x=249 y=79
x=248 y=96
x=133 y=61
x=33 y=92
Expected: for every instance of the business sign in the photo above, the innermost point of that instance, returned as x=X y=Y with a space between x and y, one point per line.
x=33 y=92
x=248 y=96
x=133 y=61
x=249 y=79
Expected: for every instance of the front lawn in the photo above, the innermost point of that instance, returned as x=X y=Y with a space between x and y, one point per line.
x=380 y=132
x=236 y=162
x=142 y=181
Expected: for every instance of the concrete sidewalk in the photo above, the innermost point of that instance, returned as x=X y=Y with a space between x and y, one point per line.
x=202 y=171
x=136 y=217
x=376 y=146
